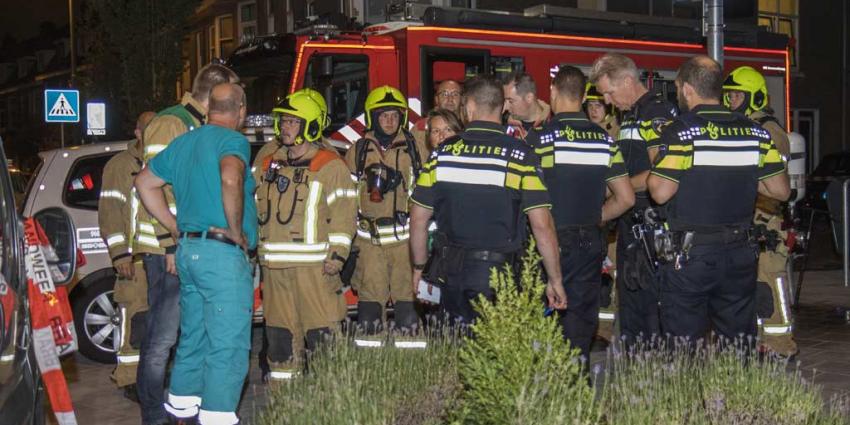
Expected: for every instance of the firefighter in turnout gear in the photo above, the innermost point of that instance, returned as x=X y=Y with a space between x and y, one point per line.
x=645 y=113
x=307 y=204
x=599 y=112
x=745 y=91
x=157 y=247
x=384 y=164
x=604 y=116
x=117 y=209
x=580 y=162
x=715 y=164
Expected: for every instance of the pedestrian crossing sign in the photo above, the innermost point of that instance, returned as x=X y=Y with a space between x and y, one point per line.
x=62 y=106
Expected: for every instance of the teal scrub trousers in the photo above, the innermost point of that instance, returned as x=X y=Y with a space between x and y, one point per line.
x=216 y=298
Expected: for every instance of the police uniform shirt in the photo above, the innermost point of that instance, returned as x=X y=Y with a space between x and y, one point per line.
x=578 y=158
x=479 y=185
x=641 y=130
x=717 y=157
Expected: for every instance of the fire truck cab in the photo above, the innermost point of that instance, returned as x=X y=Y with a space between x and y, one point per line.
x=456 y=44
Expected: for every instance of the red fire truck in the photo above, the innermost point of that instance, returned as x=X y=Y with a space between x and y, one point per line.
x=456 y=44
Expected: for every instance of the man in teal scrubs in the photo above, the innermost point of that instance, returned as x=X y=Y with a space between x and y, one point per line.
x=213 y=187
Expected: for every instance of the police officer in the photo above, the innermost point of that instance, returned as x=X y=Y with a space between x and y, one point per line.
x=477 y=188
x=524 y=109
x=745 y=91
x=580 y=160
x=117 y=208
x=385 y=164
x=645 y=112
x=715 y=163
x=306 y=205
x=157 y=246
x=599 y=112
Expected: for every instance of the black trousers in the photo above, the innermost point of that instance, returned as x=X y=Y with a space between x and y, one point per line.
x=715 y=288
x=582 y=252
x=465 y=285
x=638 y=299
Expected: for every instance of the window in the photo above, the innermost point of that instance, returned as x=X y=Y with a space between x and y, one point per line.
x=199 y=50
x=247 y=19
x=782 y=17
x=270 y=20
x=220 y=38
x=82 y=189
x=344 y=82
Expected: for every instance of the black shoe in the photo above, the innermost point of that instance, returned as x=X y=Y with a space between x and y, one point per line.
x=130 y=393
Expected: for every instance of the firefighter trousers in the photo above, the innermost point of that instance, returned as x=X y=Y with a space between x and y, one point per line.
x=582 y=253
x=775 y=332
x=216 y=300
x=132 y=298
x=298 y=303
x=382 y=273
x=715 y=288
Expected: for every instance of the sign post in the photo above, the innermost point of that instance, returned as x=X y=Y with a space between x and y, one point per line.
x=62 y=106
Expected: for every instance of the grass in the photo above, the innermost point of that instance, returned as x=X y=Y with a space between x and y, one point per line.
x=518 y=370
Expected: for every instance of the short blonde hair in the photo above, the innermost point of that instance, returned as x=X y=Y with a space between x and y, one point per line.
x=614 y=66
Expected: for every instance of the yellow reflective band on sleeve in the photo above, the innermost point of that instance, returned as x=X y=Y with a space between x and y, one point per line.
x=771 y=157
x=648 y=133
x=153 y=149
x=341 y=193
x=340 y=239
x=115 y=239
x=547 y=161
x=532 y=182
x=295 y=258
x=512 y=180
x=113 y=194
x=145 y=227
x=522 y=168
x=427 y=179
x=311 y=213
x=680 y=148
x=543 y=151
x=617 y=158
x=147 y=240
x=675 y=162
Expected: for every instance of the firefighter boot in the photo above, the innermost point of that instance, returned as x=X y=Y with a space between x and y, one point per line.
x=284 y=361
x=369 y=324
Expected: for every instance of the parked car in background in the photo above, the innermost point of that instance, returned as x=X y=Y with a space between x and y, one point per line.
x=22 y=394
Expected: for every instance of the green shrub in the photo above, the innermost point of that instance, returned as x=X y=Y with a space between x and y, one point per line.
x=349 y=385
x=518 y=369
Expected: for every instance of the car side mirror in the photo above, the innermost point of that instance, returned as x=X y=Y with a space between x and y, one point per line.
x=62 y=235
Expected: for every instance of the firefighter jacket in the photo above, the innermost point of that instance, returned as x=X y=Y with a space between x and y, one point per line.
x=383 y=219
x=306 y=209
x=152 y=237
x=780 y=139
x=118 y=202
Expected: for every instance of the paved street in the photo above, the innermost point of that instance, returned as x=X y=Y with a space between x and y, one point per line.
x=823 y=336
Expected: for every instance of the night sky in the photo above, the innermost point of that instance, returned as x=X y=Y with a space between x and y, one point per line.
x=22 y=17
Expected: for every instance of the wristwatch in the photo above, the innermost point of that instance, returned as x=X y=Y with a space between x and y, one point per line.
x=419 y=267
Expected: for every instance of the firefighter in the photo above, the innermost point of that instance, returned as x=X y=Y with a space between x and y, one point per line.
x=306 y=205
x=208 y=169
x=645 y=112
x=524 y=110
x=157 y=247
x=479 y=188
x=715 y=164
x=117 y=208
x=599 y=112
x=745 y=91
x=384 y=164
x=580 y=162
x=604 y=115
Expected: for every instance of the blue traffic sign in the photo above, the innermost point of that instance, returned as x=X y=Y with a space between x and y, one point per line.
x=62 y=105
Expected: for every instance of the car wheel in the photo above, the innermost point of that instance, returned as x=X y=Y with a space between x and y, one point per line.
x=97 y=320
